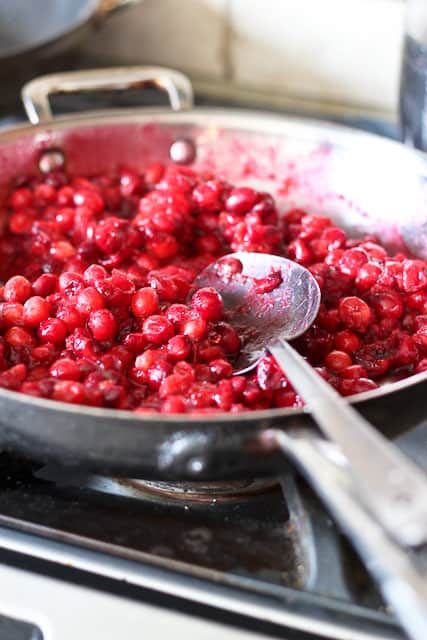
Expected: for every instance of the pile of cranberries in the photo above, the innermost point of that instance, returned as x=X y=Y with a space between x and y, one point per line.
x=94 y=307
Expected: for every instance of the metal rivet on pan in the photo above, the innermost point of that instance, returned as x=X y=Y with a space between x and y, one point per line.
x=195 y=465
x=182 y=151
x=51 y=160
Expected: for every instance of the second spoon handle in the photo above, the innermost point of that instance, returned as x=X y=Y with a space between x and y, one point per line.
x=390 y=485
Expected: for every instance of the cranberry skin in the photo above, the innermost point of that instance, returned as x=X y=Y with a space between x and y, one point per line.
x=157 y=373
x=240 y=200
x=145 y=302
x=17 y=289
x=21 y=198
x=45 y=284
x=36 y=309
x=89 y=300
x=338 y=360
x=355 y=313
x=269 y=375
x=174 y=404
x=70 y=282
x=65 y=369
x=102 y=324
x=52 y=330
x=195 y=328
x=11 y=313
x=135 y=342
x=299 y=252
x=157 y=329
x=352 y=387
x=414 y=276
x=93 y=274
x=228 y=268
x=208 y=195
x=347 y=341
x=220 y=369
x=19 y=337
x=388 y=304
x=90 y=199
x=208 y=304
x=173 y=385
x=69 y=391
x=13 y=377
x=367 y=276
x=351 y=261
x=179 y=348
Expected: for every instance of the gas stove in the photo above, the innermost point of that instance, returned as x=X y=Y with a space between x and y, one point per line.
x=96 y=557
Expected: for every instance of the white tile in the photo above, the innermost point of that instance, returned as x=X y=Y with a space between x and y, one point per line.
x=185 y=34
x=337 y=50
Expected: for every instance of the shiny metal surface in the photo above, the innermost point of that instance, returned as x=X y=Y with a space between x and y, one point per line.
x=28 y=34
x=36 y=94
x=287 y=311
x=400 y=576
x=361 y=181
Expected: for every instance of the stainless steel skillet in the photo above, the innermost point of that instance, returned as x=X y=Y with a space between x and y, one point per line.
x=366 y=184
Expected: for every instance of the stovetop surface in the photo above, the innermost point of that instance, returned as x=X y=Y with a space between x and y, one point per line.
x=273 y=550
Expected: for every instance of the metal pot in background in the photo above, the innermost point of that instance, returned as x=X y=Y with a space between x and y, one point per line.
x=413 y=85
x=43 y=36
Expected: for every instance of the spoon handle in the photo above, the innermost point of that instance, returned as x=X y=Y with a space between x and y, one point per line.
x=390 y=485
x=398 y=572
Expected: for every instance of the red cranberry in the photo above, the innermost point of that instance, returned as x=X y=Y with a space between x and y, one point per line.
x=338 y=360
x=17 y=289
x=69 y=391
x=208 y=304
x=52 y=330
x=355 y=313
x=102 y=324
x=36 y=309
x=157 y=329
x=89 y=300
x=145 y=302
x=66 y=369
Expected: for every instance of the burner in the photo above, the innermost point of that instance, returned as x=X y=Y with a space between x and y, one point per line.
x=213 y=492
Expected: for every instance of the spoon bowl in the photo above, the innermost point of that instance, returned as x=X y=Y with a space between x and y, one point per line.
x=265 y=297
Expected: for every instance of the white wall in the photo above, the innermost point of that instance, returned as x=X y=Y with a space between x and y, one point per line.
x=341 y=53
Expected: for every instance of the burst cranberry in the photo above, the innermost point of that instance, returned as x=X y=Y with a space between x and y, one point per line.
x=157 y=329
x=355 y=313
x=388 y=304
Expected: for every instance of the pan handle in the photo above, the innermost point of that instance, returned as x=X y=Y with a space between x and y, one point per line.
x=393 y=567
x=36 y=93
